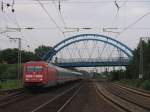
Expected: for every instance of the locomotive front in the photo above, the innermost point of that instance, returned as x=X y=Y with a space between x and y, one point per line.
x=34 y=74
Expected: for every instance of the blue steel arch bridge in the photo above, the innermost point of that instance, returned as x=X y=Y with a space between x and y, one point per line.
x=89 y=50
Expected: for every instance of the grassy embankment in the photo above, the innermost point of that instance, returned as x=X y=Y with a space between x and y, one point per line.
x=8 y=77
x=10 y=84
x=142 y=84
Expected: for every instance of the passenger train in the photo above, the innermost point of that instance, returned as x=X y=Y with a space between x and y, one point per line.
x=40 y=73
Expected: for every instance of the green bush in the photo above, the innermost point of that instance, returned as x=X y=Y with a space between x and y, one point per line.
x=10 y=84
x=146 y=85
x=11 y=72
x=143 y=84
x=3 y=68
x=117 y=75
x=8 y=71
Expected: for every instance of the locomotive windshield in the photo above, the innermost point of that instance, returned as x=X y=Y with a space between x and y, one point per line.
x=34 y=69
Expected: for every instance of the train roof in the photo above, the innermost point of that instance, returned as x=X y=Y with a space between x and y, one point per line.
x=35 y=62
x=63 y=69
x=54 y=66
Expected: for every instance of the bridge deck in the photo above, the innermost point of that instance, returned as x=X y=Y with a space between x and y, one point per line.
x=92 y=62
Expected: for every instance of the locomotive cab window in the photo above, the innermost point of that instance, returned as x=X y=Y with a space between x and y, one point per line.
x=34 y=69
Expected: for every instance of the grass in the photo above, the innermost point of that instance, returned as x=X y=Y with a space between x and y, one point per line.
x=10 y=84
x=134 y=82
x=142 y=84
x=8 y=77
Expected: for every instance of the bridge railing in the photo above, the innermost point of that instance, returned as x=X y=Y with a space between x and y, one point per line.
x=74 y=60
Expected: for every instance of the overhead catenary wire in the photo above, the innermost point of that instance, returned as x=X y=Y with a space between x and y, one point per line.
x=89 y=2
x=84 y=3
x=60 y=13
x=22 y=39
x=92 y=28
x=26 y=28
x=116 y=4
x=135 y=22
x=72 y=29
x=111 y=30
x=115 y=20
x=45 y=10
x=124 y=3
x=5 y=30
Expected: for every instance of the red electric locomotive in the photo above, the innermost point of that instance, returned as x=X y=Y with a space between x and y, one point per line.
x=40 y=73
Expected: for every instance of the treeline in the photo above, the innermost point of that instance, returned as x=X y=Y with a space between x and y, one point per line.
x=8 y=71
x=10 y=56
x=132 y=70
x=9 y=60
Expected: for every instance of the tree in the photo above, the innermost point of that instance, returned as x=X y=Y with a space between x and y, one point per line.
x=29 y=56
x=42 y=50
x=11 y=56
x=133 y=69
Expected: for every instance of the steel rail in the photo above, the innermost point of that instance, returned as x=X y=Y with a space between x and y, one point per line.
x=11 y=98
x=110 y=101
x=127 y=100
x=53 y=99
x=134 y=90
x=69 y=100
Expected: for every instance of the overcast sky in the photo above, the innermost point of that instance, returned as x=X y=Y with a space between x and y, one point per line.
x=94 y=14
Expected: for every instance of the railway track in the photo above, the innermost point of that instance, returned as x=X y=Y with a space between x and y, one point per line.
x=71 y=97
x=29 y=101
x=134 y=90
x=59 y=102
x=10 y=91
x=87 y=100
x=126 y=100
x=141 y=100
x=11 y=97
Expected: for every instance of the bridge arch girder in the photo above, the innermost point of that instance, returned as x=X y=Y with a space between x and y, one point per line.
x=84 y=37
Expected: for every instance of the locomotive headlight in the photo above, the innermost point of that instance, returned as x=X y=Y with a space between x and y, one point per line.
x=41 y=79
x=28 y=76
x=26 y=79
x=39 y=76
